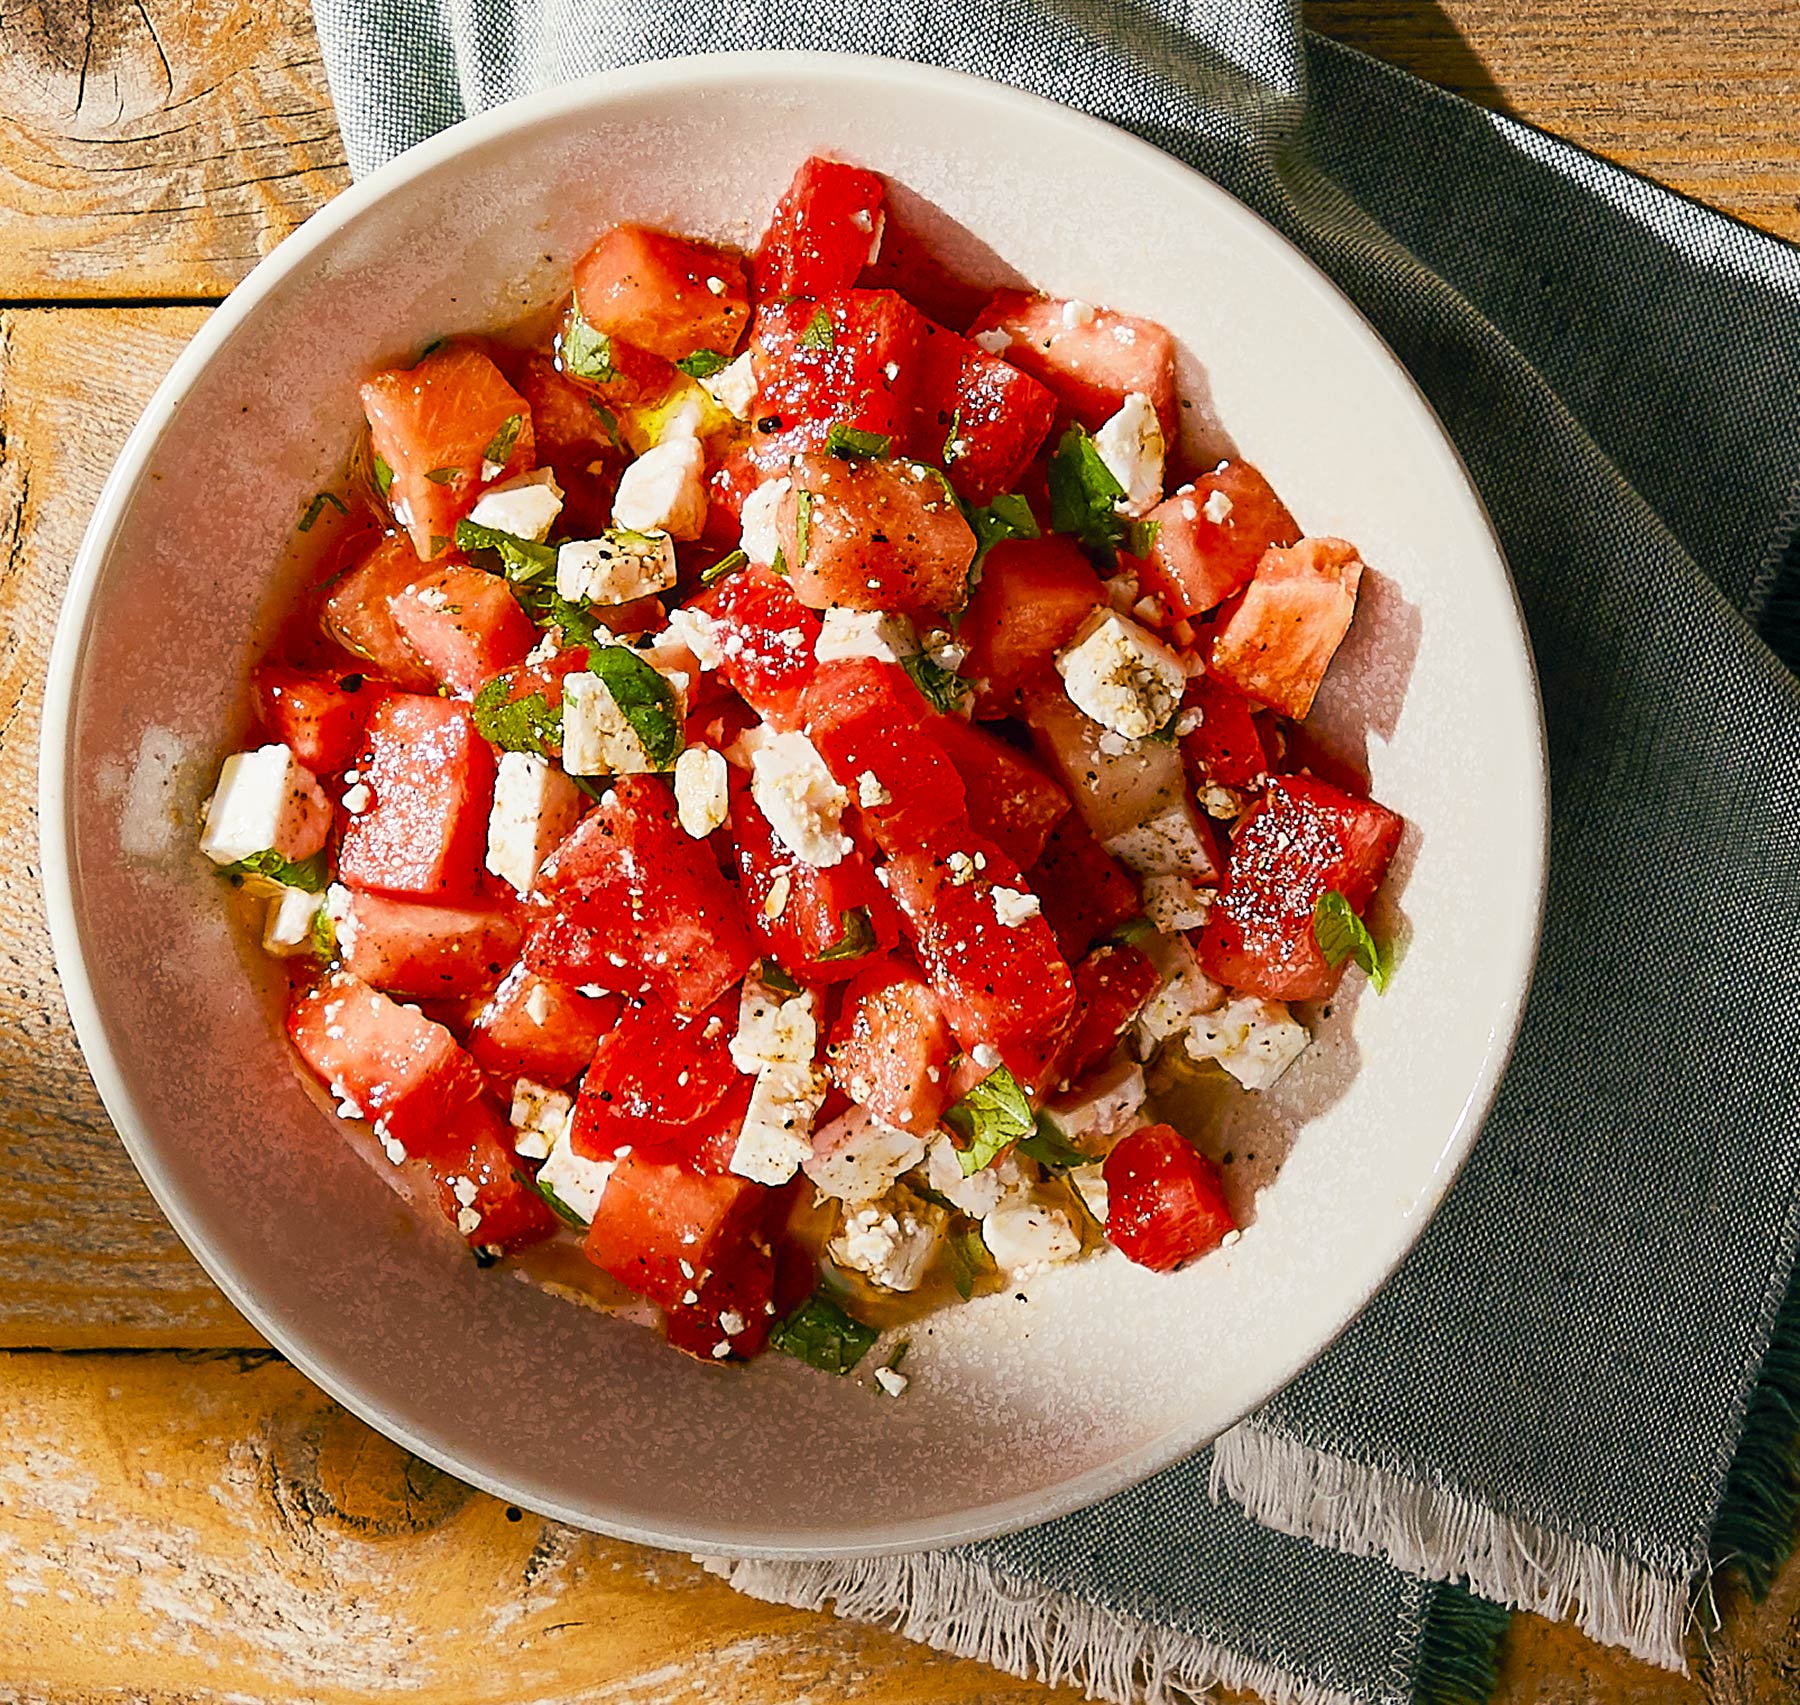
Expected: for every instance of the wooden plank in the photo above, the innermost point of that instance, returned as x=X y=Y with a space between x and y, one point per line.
x=85 y=1256
x=160 y=148
x=157 y=147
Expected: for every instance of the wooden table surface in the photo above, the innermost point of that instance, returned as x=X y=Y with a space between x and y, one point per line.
x=184 y=1518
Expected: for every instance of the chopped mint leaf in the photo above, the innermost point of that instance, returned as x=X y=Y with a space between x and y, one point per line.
x=1140 y=536
x=525 y=560
x=727 y=564
x=1082 y=493
x=943 y=690
x=899 y=1355
x=557 y=1205
x=1007 y=517
x=307 y=873
x=528 y=724
x=992 y=1117
x=384 y=475
x=439 y=544
x=779 y=565
x=585 y=352
x=1134 y=930
x=443 y=476
x=608 y=419
x=500 y=446
x=969 y=1257
x=317 y=508
x=858 y=937
x=1049 y=1147
x=822 y=1335
x=595 y=790
x=645 y=700
x=952 y=439
x=819 y=333
x=772 y=976
x=1342 y=935
x=322 y=936
x=703 y=363
x=802 y=527
x=852 y=441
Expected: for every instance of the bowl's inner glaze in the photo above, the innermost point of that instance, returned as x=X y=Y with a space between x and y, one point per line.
x=1020 y=1406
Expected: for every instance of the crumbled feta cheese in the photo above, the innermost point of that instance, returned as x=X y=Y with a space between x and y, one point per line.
x=535 y=806
x=392 y=1147
x=857 y=1158
x=266 y=801
x=942 y=648
x=733 y=388
x=526 y=505
x=1090 y=1186
x=1106 y=1105
x=1185 y=992
x=1125 y=679
x=758 y=534
x=539 y=1114
x=1167 y=846
x=978 y=1192
x=961 y=867
x=702 y=792
x=1221 y=802
x=537 y=1005
x=340 y=907
x=870 y=794
x=1176 y=902
x=287 y=929
x=1255 y=1040
x=358 y=799
x=995 y=341
x=1131 y=446
x=1025 y=1235
x=775 y=901
x=615 y=568
x=986 y=1056
x=891 y=1380
x=577 y=1182
x=891 y=1240
x=700 y=633
x=1077 y=313
x=773 y=1029
x=1217 y=508
x=598 y=739
x=465 y=1190
x=864 y=633
x=1122 y=592
x=1150 y=610
x=468 y=1221
x=1188 y=721
x=716 y=285
x=664 y=490
x=1013 y=906
x=803 y=803
x=777 y=1131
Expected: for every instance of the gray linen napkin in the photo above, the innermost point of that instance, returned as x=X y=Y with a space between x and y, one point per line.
x=1578 y=1394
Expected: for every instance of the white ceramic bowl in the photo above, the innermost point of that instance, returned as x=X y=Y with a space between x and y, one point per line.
x=1018 y=1411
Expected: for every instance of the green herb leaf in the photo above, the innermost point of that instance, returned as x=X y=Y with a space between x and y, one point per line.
x=803 y=509
x=525 y=560
x=608 y=419
x=822 y=1335
x=727 y=564
x=992 y=1117
x=858 y=937
x=585 y=352
x=703 y=363
x=322 y=936
x=969 y=1257
x=439 y=544
x=1082 y=493
x=1134 y=930
x=530 y=724
x=1342 y=935
x=1049 y=1147
x=851 y=441
x=443 y=476
x=645 y=700
x=500 y=446
x=307 y=873
x=819 y=333
x=944 y=690
x=1007 y=517
x=384 y=475
x=558 y=1206
x=899 y=1355
x=779 y=565
x=772 y=976
x=317 y=508
x=952 y=438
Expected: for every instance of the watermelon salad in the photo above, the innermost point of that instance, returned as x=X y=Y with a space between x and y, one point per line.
x=781 y=760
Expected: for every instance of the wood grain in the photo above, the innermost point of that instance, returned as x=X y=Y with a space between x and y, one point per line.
x=156 y=148
x=85 y=1255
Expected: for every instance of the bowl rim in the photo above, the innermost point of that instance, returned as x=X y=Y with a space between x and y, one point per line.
x=684 y=75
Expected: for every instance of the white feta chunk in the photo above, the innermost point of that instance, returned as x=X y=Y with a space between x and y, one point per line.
x=777 y=1132
x=699 y=632
x=577 y=1182
x=1216 y=508
x=538 y=1115
x=287 y=929
x=664 y=490
x=1176 y=902
x=758 y=534
x=1108 y=1104
x=702 y=791
x=1077 y=313
x=598 y=739
x=266 y=801
x=978 y=1193
x=1015 y=906
x=1131 y=446
x=857 y=1157
x=996 y=340
x=1183 y=995
x=733 y=387
x=1166 y=844
x=615 y=568
x=535 y=806
x=1025 y=1234
x=526 y=505
x=891 y=1240
x=797 y=793
x=1125 y=679
x=891 y=1380
x=773 y=1029
x=880 y=634
x=1255 y=1040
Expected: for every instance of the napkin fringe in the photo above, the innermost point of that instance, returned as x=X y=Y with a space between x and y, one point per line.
x=1435 y=1531
x=970 y=1610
